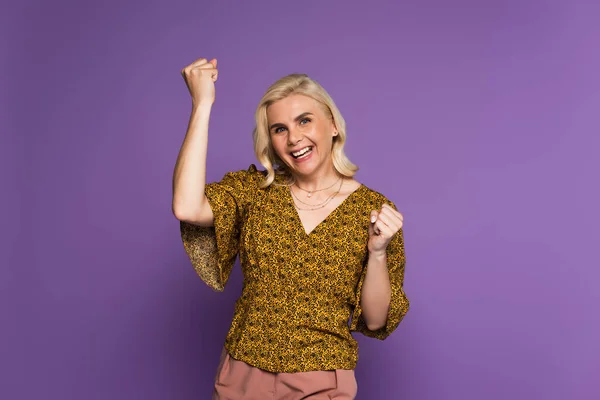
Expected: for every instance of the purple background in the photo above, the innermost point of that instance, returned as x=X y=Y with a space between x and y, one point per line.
x=479 y=119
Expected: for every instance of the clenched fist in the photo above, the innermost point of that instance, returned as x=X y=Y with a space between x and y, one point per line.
x=200 y=77
x=384 y=225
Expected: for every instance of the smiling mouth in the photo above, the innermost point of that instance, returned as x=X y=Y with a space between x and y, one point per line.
x=302 y=153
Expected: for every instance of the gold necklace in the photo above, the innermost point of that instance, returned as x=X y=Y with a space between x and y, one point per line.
x=319 y=206
x=310 y=192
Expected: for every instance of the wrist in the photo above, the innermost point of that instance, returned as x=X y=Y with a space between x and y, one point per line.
x=202 y=105
x=378 y=255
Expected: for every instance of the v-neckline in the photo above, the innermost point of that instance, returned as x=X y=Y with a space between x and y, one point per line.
x=327 y=217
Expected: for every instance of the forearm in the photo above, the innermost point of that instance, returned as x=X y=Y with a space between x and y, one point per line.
x=189 y=176
x=376 y=292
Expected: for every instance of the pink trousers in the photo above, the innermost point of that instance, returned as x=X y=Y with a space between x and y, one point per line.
x=237 y=380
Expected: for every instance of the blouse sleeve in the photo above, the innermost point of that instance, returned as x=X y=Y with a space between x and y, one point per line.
x=399 y=303
x=213 y=250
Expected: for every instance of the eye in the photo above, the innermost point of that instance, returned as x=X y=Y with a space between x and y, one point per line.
x=277 y=130
x=304 y=119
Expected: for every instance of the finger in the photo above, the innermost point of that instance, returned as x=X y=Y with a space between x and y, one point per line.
x=205 y=66
x=198 y=62
x=377 y=223
x=391 y=209
x=392 y=219
x=200 y=71
x=391 y=213
x=391 y=222
x=395 y=216
x=373 y=230
x=212 y=72
x=381 y=228
x=374 y=215
x=373 y=219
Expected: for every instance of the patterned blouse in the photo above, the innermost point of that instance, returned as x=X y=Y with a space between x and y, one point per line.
x=301 y=293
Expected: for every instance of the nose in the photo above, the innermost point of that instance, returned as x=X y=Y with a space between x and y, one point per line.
x=294 y=136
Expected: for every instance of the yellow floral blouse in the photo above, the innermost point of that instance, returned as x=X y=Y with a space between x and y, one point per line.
x=301 y=293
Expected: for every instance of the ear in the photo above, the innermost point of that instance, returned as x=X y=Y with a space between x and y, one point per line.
x=334 y=129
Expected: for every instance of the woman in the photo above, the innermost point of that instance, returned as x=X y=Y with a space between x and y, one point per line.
x=322 y=254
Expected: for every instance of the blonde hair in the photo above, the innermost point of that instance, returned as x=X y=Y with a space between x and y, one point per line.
x=297 y=84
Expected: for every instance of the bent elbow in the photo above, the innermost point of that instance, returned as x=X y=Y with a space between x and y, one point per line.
x=187 y=214
x=374 y=327
x=178 y=214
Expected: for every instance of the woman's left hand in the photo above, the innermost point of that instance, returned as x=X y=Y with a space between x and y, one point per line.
x=384 y=225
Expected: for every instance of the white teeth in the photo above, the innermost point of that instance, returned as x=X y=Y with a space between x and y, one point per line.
x=301 y=152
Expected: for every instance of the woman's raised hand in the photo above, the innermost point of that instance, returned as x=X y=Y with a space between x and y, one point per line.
x=385 y=223
x=200 y=77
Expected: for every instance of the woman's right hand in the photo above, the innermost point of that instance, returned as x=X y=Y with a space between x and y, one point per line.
x=200 y=77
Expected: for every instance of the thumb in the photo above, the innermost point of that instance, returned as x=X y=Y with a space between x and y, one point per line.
x=372 y=220
x=372 y=229
x=214 y=62
x=374 y=215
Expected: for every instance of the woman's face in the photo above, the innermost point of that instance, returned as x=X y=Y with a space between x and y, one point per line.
x=298 y=123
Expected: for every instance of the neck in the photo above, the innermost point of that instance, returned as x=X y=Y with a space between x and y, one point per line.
x=318 y=180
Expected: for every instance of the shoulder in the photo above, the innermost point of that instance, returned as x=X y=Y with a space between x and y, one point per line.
x=251 y=171
x=374 y=197
x=249 y=177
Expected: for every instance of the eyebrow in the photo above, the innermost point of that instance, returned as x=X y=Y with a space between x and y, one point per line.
x=298 y=118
